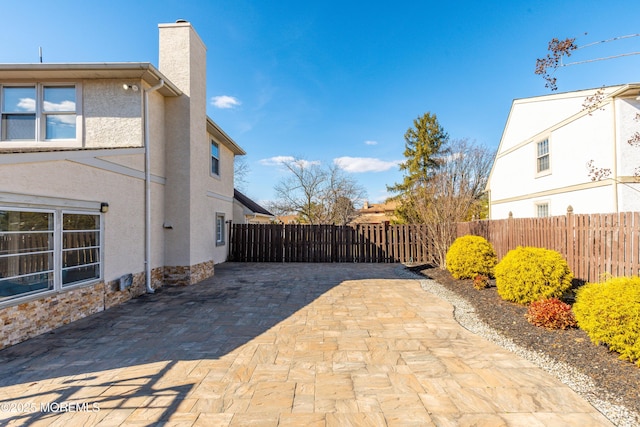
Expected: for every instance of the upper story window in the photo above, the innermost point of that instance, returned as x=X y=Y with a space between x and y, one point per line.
x=542 y=157
x=39 y=112
x=215 y=158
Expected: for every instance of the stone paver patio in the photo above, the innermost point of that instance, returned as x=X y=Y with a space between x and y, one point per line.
x=280 y=344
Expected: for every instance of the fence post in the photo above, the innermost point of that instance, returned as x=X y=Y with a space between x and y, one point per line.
x=570 y=238
x=510 y=238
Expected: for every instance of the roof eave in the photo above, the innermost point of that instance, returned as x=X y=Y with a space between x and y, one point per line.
x=108 y=70
x=221 y=136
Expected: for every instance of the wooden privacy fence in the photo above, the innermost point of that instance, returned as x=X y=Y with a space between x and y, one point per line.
x=592 y=244
x=328 y=243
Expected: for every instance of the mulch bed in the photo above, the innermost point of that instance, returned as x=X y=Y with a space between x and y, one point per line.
x=618 y=378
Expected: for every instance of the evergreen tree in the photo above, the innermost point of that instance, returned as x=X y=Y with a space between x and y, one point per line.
x=425 y=145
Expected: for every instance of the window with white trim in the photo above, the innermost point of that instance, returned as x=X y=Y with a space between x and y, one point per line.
x=542 y=156
x=220 y=229
x=80 y=248
x=542 y=210
x=215 y=158
x=38 y=112
x=45 y=250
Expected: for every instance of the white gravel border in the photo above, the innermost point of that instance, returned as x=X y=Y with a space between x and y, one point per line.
x=464 y=314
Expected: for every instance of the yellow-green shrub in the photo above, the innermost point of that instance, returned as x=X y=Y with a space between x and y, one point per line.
x=527 y=274
x=470 y=256
x=609 y=313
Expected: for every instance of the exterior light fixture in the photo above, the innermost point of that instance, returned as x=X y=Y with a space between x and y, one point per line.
x=104 y=207
x=134 y=88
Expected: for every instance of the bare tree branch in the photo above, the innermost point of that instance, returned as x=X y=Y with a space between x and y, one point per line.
x=317 y=195
x=451 y=194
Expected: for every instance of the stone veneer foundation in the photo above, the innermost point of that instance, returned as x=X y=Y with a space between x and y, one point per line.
x=31 y=318
x=188 y=275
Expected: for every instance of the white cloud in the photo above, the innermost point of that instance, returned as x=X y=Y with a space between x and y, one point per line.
x=27 y=104
x=225 y=101
x=60 y=106
x=371 y=142
x=364 y=164
x=279 y=160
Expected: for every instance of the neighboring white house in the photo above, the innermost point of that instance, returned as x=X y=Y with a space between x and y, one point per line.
x=113 y=182
x=246 y=211
x=541 y=165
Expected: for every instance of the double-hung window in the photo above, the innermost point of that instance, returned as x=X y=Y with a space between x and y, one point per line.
x=38 y=112
x=215 y=158
x=542 y=157
x=45 y=250
x=59 y=112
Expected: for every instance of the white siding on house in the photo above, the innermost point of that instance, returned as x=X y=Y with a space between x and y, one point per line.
x=627 y=124
x=70 y=180
x=575 y=137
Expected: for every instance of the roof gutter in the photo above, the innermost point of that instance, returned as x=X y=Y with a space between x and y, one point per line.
x=147 y=188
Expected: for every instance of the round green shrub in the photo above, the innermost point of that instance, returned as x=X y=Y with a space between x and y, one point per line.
x=609 y=313
x=527 y=274
x=470 y=256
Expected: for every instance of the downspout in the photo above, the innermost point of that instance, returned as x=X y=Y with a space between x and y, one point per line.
x=147 y=188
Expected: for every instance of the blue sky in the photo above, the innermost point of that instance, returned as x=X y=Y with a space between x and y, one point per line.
x=342 y=80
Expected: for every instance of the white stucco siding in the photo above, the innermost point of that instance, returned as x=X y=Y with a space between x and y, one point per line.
x=222 y=184
x=219 y=252
x=112 y=115
x=629 y=197
x=157 y=135
x=239 y=212
x=183 y=60
x=66 y=180
x=178 y=168
x=215 y=196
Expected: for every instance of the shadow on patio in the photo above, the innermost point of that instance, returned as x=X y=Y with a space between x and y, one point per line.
x=143 y=358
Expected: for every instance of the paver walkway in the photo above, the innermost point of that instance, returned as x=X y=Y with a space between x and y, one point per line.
x=280 y=344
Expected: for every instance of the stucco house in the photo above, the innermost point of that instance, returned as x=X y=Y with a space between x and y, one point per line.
x=542 y=163
x=113 y=182
x=247 y=211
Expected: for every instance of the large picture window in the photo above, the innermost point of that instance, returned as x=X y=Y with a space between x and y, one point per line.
x=38 y=112
x=42 y=250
